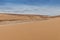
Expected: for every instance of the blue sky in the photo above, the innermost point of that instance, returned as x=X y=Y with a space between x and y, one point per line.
x=41 y=7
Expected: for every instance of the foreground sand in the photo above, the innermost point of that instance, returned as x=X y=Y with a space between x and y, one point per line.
x=37 y=30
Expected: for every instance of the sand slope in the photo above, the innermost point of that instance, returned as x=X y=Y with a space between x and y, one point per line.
x=37 y=30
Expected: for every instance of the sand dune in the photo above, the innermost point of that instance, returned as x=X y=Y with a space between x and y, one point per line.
x=20 y=17
x=36 y=30
x=14 y=18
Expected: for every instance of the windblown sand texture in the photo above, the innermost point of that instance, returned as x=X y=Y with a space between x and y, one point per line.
x=39 y=27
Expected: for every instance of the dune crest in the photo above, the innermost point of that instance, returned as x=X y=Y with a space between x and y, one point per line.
x=15 y=18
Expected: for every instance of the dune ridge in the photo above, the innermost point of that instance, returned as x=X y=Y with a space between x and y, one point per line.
x=23 y=18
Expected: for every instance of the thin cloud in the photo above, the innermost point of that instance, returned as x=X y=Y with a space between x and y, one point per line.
x=29 y=9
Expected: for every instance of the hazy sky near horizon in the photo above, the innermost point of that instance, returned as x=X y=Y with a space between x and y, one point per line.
x=42 y=7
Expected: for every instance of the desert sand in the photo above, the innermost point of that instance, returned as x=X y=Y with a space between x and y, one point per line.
x=46 y=29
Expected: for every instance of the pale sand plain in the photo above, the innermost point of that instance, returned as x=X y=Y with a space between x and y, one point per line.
x=35 y=30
